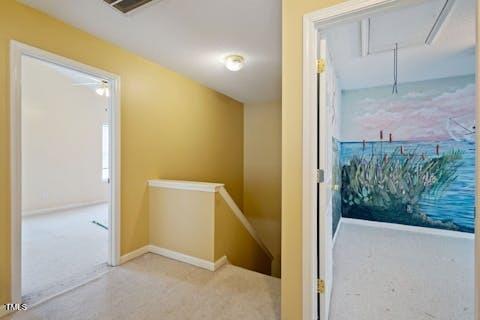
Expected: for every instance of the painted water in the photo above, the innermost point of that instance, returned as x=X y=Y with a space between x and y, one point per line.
x=455 y=204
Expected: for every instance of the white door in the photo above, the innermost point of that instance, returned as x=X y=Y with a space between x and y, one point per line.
x=324 y=206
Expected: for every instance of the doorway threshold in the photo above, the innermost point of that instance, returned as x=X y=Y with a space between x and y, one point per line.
x=65 y=285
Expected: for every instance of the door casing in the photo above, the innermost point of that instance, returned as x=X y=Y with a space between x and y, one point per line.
x=313 y=23
x=17 y=50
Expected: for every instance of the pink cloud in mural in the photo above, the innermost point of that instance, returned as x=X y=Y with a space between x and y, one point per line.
x=429 y=110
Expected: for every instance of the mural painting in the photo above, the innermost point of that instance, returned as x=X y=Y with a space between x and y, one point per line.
x=409 y=158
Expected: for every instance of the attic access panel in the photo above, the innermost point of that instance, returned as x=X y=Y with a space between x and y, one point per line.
x=409 y=26
x=126 y=6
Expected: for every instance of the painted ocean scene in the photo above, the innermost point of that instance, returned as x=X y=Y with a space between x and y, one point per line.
x=409 y=158
x=452 y=207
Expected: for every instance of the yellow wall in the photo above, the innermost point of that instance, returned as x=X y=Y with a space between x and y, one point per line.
x=172 y=127
x=183 y=221
x=262 y=173
x=201 y=224
x=293 y=11
x=234 y=241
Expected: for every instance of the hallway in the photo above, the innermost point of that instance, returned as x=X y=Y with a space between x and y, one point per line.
x=154 y=287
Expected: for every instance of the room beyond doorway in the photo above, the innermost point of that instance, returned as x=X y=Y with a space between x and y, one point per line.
x=81 y=254
x=404 y=72
x=65 y=181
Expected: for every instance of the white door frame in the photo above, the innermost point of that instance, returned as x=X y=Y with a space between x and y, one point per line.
x=17 y=50
x=312 y=23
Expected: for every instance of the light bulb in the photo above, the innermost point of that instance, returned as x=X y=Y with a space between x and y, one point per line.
x=103 y=90
x=100 y=91
x=234 y=62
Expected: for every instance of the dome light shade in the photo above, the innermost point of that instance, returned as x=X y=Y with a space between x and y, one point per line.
x=234 y=62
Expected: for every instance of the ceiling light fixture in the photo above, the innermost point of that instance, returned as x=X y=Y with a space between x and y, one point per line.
x=234 y=62
x=103 y=90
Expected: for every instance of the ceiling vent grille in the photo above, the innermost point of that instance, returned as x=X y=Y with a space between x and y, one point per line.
x=127 y=6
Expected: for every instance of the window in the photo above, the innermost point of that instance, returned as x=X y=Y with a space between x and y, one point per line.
x=105 y=152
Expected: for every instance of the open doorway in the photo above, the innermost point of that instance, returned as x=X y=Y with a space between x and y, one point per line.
x=396 y=153
x=65 y=209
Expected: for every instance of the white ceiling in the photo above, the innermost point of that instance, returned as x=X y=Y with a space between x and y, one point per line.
x=451 y=53
x=192 y=37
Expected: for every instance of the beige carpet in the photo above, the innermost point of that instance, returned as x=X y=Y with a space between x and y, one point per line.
x=153 y=287
x=61 y=249
x=384 y=274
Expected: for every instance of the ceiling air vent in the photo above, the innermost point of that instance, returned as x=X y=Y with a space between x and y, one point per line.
x=127 y=6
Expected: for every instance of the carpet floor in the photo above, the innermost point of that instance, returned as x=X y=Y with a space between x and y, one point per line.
x=154 y=287
x=390 y=274
x=62 y=248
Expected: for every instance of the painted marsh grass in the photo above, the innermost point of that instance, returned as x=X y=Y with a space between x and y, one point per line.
x=388 y=187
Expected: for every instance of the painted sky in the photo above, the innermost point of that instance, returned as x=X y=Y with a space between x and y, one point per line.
x=420 y=111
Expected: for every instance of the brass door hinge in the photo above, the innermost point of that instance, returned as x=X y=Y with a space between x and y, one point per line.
x=321 y=64
x=320 y=286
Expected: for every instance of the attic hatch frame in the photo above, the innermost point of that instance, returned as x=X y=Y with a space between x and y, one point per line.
x=313 y=23
x=432 y=35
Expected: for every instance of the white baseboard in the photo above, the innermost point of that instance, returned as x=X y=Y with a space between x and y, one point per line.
x=335 y=236
x=402 y=227
x=201 y=263
x=220 y=263
x=134 y=254
x=61 y=208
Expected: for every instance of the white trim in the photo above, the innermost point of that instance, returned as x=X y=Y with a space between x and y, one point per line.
x=186 y=185
x=15 y=173
x=240 y=216
x=312 y=23
x=309 y=180
x=62 y=208
x=220 y=263
x=194 y=261
x=134 y=254
x=213 y=187
x=335 y=236
x=349 y=10
x=17 y=50
x=477 y=169
x=115 y=146
x=201 y=263
x=414 y=229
